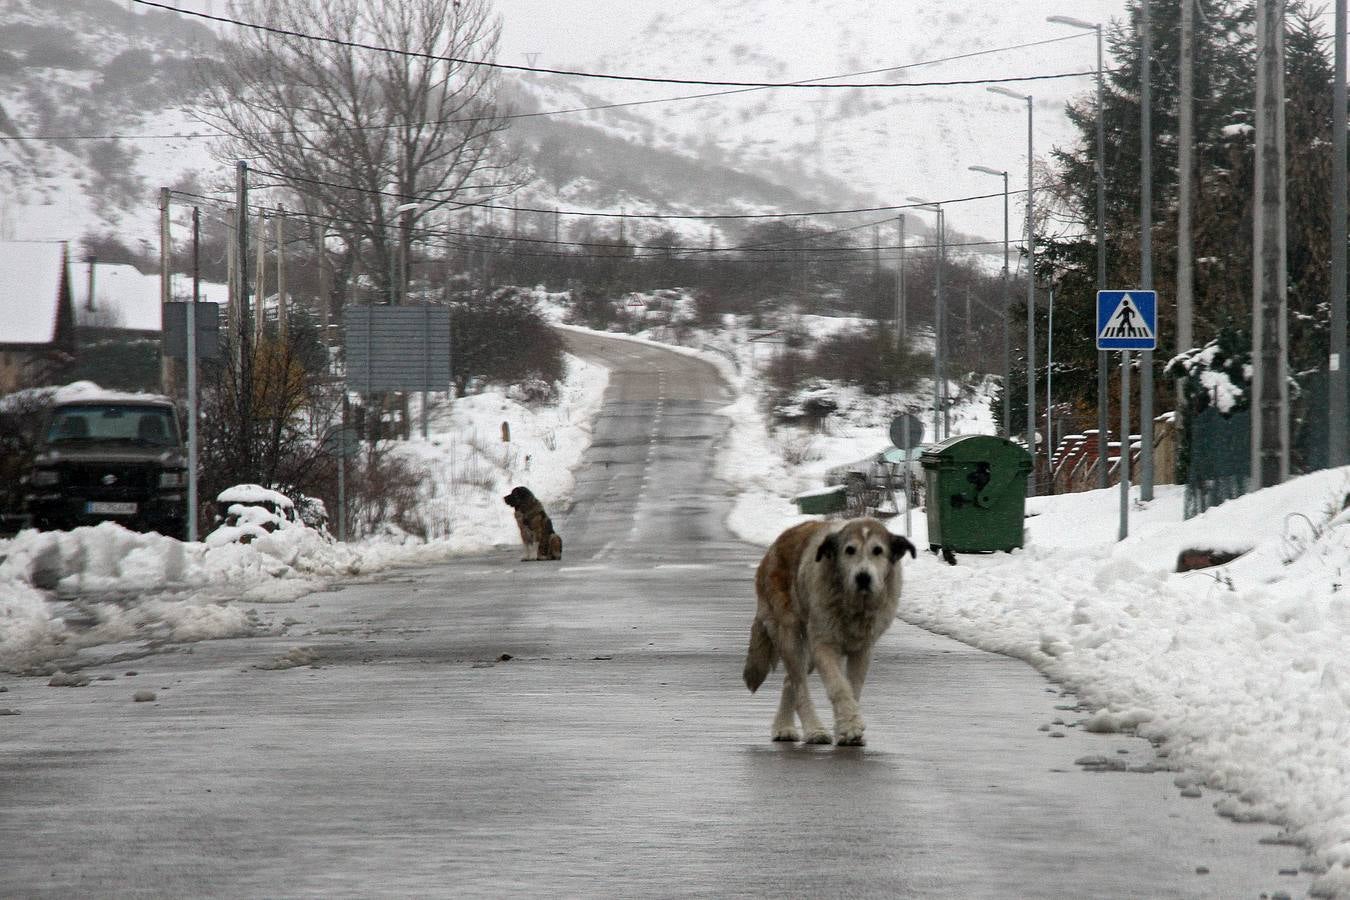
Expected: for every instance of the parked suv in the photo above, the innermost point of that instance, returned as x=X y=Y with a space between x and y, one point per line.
x=121 y=460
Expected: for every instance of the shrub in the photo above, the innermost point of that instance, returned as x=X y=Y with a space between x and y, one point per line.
x=503 y=339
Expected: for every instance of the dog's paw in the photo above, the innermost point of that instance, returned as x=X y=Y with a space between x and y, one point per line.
x=787 y=734
x=849 y=733
x=818 y=737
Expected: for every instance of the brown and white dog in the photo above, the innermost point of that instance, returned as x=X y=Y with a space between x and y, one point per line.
x=536 y=528
x=825 y=591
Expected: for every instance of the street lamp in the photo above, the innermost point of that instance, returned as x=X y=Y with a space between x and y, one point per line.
x=1031 y=283
x=405 y=211
x=1007 y=300
x=1100 y=166
x=939 y=313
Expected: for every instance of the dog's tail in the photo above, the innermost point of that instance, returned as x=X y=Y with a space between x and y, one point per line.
x=554 y=546
x=760 y=658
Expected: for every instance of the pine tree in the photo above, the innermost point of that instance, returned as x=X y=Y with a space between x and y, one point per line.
x=1222 y=207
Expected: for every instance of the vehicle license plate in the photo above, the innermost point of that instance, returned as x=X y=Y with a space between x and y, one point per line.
x=110 y=509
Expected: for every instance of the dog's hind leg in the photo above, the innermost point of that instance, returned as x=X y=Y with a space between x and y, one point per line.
x=797 y=689
x=848 y=723
x=784 y=724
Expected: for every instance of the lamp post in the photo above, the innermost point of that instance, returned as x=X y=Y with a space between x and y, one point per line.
x=1336 y=447
x=405 y=211
x=900 y=323
x=1031 y=282
x=1007 y=301
x=939 y=314
x=1103 y=401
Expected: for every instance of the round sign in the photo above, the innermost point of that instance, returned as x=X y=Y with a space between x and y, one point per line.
x=906 y=432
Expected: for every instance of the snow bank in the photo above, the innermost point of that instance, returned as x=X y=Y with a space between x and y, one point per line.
x=1240 y=671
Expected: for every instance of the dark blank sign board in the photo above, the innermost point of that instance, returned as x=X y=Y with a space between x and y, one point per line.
x=208 y=330
x=906 y=438
x=397 y=348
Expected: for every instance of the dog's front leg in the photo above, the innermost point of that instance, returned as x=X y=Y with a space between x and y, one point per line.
x=848 y=723
x=796 y=689
x=857 y=672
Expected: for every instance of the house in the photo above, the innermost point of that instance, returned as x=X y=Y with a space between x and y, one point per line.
x=126 y=302
x=37 y=315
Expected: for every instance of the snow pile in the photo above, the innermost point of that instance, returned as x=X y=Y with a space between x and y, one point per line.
x=1240 y=671
x=152 y=587
x=76 y=391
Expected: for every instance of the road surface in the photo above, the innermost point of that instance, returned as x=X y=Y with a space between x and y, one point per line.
x=493 y=728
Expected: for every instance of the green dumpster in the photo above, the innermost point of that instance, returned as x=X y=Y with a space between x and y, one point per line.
x=822 y=502
x=976 y=490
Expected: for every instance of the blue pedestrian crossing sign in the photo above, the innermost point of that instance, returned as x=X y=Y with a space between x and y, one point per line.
x=1127 y=320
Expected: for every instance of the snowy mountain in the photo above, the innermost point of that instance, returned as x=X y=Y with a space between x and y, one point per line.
x=90 y=68
x=886 y=143
x=86 y=71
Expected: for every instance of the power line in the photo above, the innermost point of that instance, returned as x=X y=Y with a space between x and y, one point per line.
x=508 y=245
x=572 y=73
x=613 y=215
x=600 y=107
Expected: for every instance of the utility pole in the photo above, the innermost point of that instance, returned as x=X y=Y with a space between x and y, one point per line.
x=325 y=287
x=166 y=367
x=260 y=295
x=1336 y=381
x=1185 y=173
x=245 y=336
x=192 y=374
x=1270 y=326
x=89 y=299
x=1145 y=254
x=281 y=276
x=1186 y=168
x=900 y=286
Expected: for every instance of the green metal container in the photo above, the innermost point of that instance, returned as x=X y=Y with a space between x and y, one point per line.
x=822 y=502
x=976 y=491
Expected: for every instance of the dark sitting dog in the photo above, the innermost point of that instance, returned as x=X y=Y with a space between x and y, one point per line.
x=536 y=528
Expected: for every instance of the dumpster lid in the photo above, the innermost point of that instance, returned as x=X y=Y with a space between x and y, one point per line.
x=820 y=492
x=974 y=446
x=895 y=455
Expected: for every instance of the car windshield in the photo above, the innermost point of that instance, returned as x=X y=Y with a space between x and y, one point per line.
x=148 y=425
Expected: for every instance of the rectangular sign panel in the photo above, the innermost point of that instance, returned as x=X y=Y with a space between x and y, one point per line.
x=397 y=348
x=208 y=330
x=1127 y=320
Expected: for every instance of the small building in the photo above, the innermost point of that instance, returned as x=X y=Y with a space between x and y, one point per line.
x=125 y=302
x=37 y=315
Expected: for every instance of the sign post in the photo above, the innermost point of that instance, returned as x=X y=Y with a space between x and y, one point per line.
x=906 y=434
x=1126 y=320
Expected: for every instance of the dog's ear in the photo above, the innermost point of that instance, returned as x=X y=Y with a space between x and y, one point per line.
x=828 y=547
x=898 y=547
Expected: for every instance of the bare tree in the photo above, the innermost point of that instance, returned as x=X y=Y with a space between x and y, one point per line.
x=358 y=132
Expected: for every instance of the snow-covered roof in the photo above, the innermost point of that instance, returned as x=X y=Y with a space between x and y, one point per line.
x=30 y=285
x=126 y=298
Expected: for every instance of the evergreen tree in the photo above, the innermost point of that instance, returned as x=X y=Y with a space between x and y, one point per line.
x=1224 y=152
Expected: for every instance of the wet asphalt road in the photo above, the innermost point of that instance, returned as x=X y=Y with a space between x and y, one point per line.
x=615 y=753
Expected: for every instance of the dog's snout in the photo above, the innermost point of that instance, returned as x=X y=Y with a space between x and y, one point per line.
x=863 y=580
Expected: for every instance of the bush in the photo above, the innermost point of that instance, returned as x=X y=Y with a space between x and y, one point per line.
x=864 y=358
x=503 y=339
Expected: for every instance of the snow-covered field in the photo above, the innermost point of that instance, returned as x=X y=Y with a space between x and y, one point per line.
x=1238 y=672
